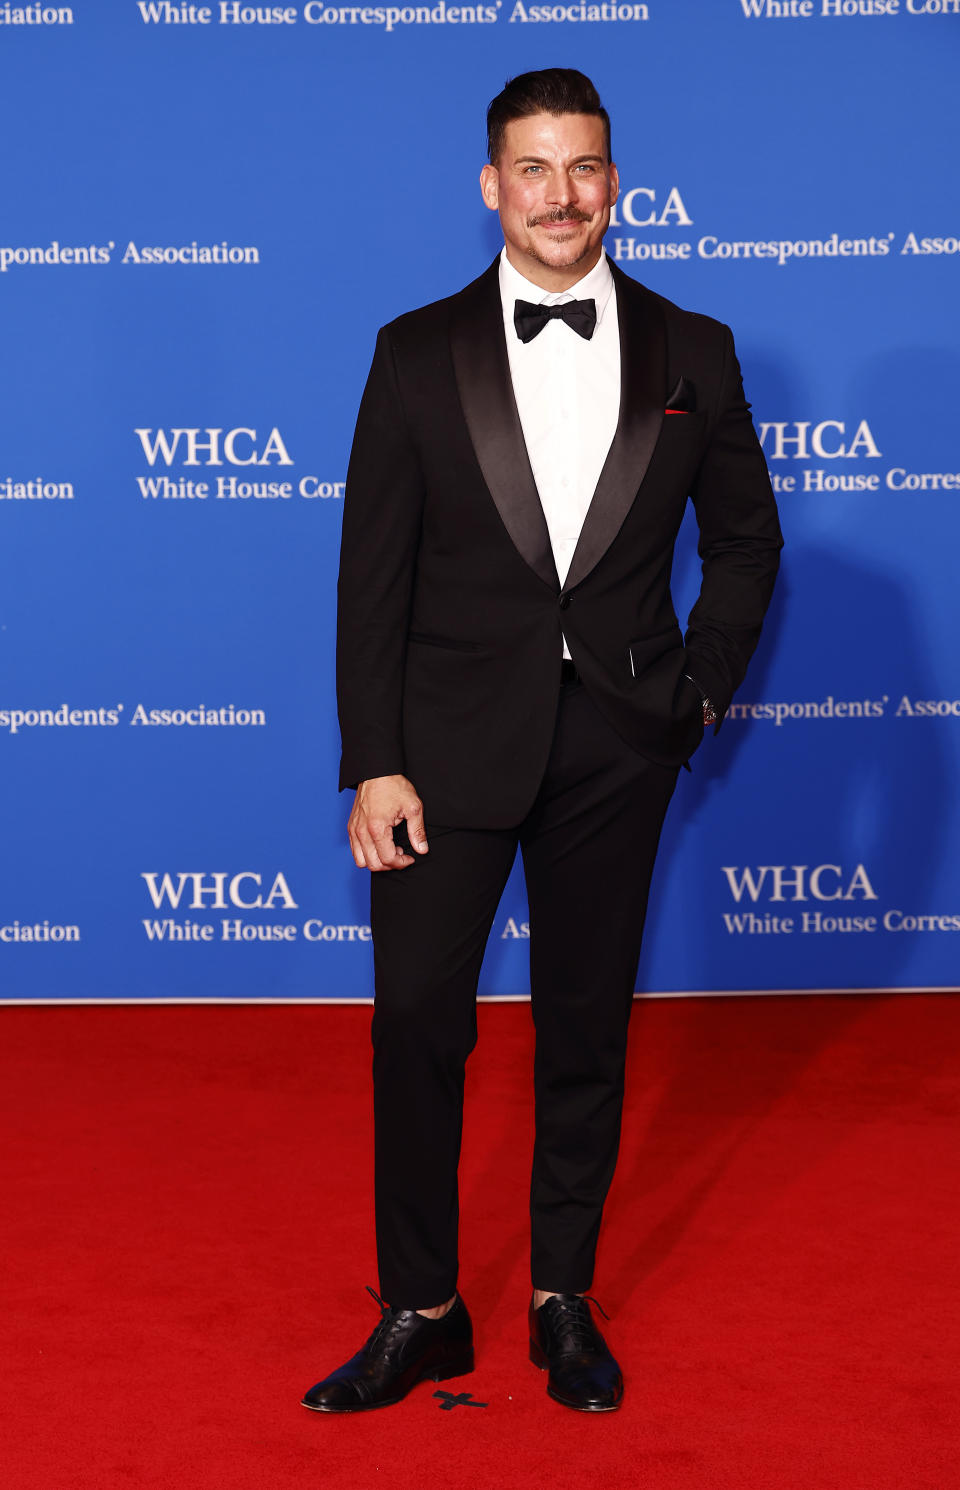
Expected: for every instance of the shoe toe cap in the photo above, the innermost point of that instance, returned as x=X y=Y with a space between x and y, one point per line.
x=600 y=1396
x=334 y=1394
x=594 y=1388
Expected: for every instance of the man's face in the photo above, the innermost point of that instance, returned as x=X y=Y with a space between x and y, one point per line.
x=553 y=188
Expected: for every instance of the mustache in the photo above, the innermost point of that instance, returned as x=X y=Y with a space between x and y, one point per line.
x=559 y=214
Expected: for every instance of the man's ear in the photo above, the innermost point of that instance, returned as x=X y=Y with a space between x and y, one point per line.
x=614 y=184
x=490 y=187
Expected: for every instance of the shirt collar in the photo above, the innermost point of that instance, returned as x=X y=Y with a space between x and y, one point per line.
x=596 y=285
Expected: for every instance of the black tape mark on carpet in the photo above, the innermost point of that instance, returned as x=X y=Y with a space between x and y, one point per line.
x=456 y=1399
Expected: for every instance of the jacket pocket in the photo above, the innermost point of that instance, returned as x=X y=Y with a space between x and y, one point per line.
x=450 y=644
x=647 y=649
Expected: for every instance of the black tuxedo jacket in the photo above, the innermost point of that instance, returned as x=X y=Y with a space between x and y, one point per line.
x=450 y=611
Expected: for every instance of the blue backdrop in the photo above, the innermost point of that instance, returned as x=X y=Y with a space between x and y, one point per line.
x=207 y=213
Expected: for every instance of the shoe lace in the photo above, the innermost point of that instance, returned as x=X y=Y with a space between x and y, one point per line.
x=389 y=1320
x=575 y=1322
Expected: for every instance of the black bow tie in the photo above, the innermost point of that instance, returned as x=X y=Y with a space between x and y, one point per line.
x=580 y=316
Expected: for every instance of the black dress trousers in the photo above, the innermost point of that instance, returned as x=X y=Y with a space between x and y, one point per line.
x=588 y=844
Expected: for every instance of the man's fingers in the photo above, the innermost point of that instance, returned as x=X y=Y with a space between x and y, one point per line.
x=365 y=855
x=355 y=846
x=380 y=806
x=381 y=851
x=416 y=831
x=369 y=848
x=390 y=854
x=372 y=853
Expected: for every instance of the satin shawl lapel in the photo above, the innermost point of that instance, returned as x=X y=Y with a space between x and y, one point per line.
x=643 y=383
x=486 y=394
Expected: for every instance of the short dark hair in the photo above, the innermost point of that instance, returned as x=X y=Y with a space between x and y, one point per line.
x=554 y=90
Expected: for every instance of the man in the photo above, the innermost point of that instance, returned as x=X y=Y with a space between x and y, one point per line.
x=511 y=671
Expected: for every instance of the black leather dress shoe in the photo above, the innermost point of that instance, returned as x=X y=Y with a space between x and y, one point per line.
x=404 y=1348
x=565 y=1341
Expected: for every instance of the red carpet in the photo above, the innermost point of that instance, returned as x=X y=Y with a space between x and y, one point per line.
x=186 y=1235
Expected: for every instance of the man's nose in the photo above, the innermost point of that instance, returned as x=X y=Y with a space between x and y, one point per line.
x=561 y=189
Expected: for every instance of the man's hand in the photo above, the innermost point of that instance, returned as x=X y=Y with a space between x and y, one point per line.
x=380 y=804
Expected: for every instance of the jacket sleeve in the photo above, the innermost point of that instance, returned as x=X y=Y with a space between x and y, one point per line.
x=739 y=545
x=381 y=530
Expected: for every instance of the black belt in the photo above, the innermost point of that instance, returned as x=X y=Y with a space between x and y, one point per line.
x=568 y=672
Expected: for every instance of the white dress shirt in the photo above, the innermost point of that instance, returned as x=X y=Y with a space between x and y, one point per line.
x=568 y=397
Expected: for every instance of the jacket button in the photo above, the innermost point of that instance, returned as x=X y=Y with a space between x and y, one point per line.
x=565 y=601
